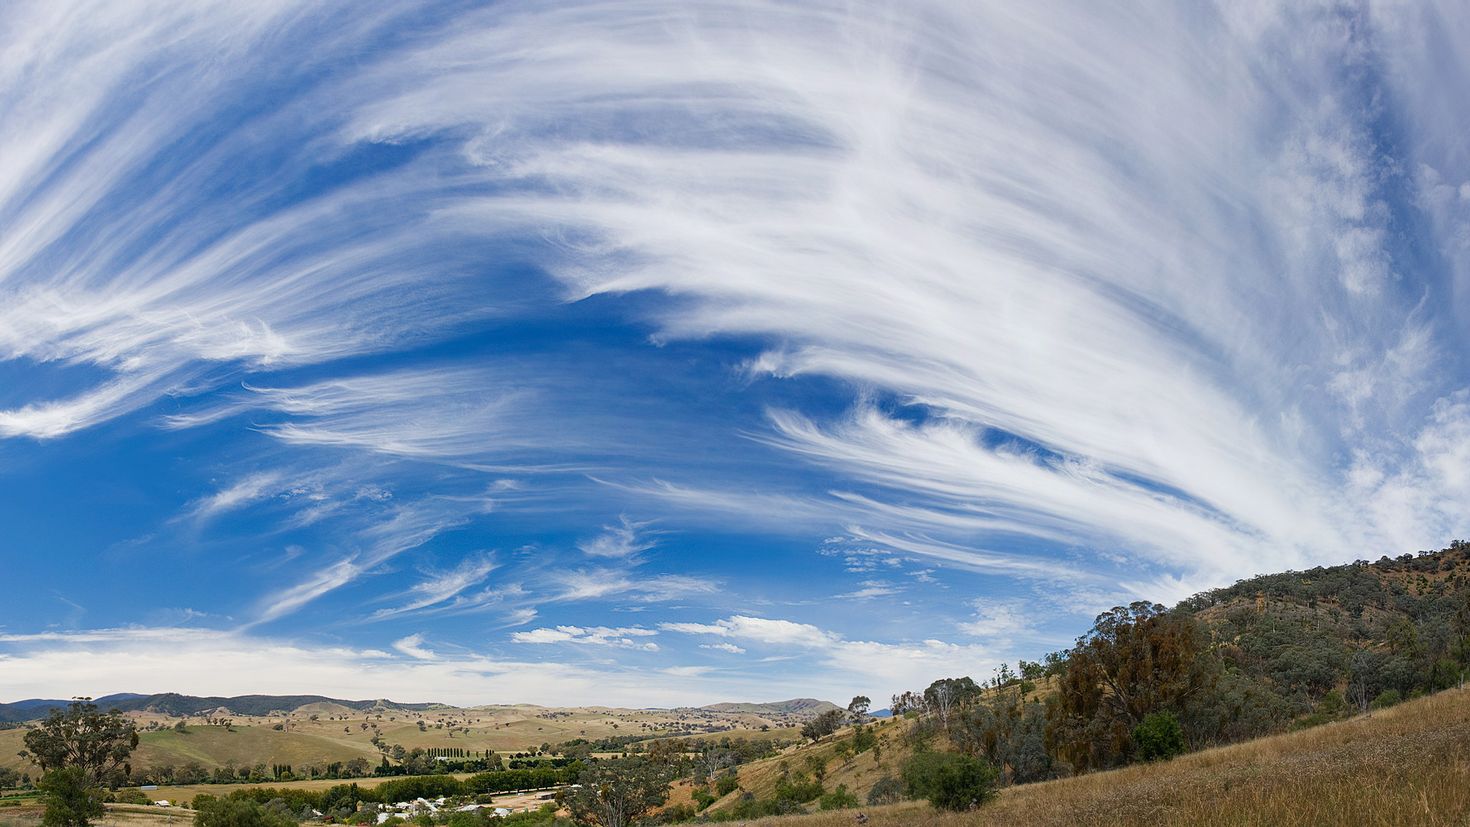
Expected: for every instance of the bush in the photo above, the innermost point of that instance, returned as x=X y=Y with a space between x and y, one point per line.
x=727 y=785
x=236 y=812
x=703 y=798
x=887 y=790
x=1159 y=737
x=949 y=781
x=798 y=789
x=131 y=795
x=838 y=799
x=1386 y=698
x=71 y=798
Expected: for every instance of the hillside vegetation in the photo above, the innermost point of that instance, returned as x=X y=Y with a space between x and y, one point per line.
x=1409 y=765
x=1294 y=650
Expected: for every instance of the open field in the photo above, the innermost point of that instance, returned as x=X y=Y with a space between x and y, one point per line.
x=118 y=815
x=1408 y=765
x=186 y=792
x=320 y=734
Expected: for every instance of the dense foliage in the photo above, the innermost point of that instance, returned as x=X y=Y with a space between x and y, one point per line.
x=1263 y=655
x=948 y=780
x=72 y=799
x=82 y=736
x=615 y=793
x=1158 y=737
x=239 y=811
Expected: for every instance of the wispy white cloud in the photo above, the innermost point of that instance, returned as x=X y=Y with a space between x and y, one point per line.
x=723 y=647
x=621 y=541
x=621 y=637
x=413 y=646
x=871 y=589
x=444 y=590
x=402 y=528
x=242 y=492
x=997 y=620
x=888 y=666
x=590 y=584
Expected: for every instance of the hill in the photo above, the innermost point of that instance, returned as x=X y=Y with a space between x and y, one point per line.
x=1405 y=765
x=801 y=707
x=1292 y=650
x=315 y=735
x=170 y=703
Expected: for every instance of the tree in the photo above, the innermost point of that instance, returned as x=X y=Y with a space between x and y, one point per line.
x=946 y=695
x=950 y=781
x=614 y=793
x=82 y=736
x=358 y=766
x=1363 y=679
x=1136 y=660
x=823 y=725
x=1159 y=737
x=905 y=702
x=72 y=798
x=858 y=707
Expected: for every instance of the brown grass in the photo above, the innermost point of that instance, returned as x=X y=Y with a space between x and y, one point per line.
x=1409 y=765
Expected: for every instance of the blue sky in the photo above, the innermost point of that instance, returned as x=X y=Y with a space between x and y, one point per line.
x=638 y=353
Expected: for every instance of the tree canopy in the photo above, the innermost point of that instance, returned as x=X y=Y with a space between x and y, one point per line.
x=83 y=736
x=614 y=793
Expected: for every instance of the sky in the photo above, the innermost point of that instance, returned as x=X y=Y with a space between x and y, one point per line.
x=654 y=353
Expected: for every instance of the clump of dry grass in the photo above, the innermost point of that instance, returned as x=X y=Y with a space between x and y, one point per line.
x=1409 y=765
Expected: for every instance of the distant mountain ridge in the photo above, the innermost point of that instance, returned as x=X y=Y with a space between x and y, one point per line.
x=796 y=706
x=172 y=703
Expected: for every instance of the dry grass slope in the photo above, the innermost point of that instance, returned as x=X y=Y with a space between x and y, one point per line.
x=1408 y=765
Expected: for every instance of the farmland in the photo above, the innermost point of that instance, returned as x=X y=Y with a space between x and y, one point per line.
x=317 y=735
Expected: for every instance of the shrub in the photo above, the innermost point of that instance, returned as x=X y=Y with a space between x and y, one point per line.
x=1332 y=703
x=798 y=790
x=1386 y=698
x=71 y=798
x=727 y=785
x=131 y=795
x=887 y=790
x=838 y=799
x=949 y=781
x=1159 y=737
x=236 y=812
x=703 y=798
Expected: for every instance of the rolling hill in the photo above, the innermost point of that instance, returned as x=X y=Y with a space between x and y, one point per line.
x=170 y=703
x=804 y=707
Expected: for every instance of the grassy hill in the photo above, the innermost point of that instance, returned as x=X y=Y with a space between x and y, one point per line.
x=805 y=707
x=1406 y=765
x=320 y=733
